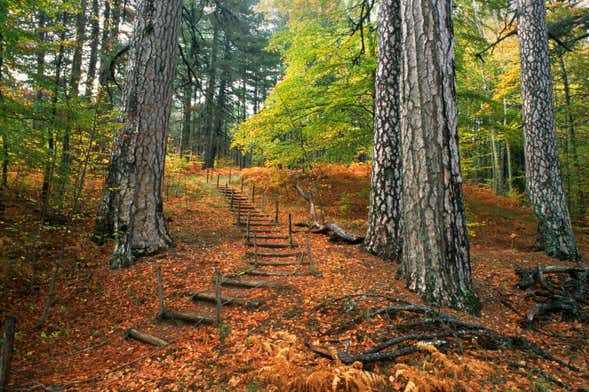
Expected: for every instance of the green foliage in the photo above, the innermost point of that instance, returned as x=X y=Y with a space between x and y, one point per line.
x=321 y=110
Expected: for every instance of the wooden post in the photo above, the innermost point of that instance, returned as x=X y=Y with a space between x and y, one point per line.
x=276 y=211
x=160 y=292
x=247 y=228
x=262 y=197
x=239 y=213
x=310 y=256
x=290 y=230
x=207 y=176
x=241 y=185
x=253 y=194
x=218 y=175
x=218 y=279
x=231 y=200
x=229 y=176
x=7 y=347
x=255 y=250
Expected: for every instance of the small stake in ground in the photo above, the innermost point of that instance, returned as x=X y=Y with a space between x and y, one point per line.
x=239 y=214
x=160 y=292
x=254 y=194
x=241 y=185
x=290 y=230
x=310 y=256
x=218 y=175
x=255 y=250
x=207 y=176
x=232 y=199
x=218 y=280
x=276 y=211
x=7 y=345
x=229 y=181
x=262 y=197
x=247 y=228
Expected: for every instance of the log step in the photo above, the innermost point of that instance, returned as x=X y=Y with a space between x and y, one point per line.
x=249 y=284
x=279 y=263
x=225 y=300
x=271 y=237
x=193 y=318
x=262 y=224
x=264 y=254
x=272 y=246
x=257 y=272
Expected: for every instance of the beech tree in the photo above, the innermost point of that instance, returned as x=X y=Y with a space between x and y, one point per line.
x=435 y=244
x=383 y=237
x=137 y=159
x=543 y=177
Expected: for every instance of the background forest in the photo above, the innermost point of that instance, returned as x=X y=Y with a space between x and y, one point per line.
x=62 y=72
x=285 y=94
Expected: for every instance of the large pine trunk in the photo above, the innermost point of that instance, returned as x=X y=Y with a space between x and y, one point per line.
x=543 y=176
x=383 y=237
x=435 y=244
x=138 y=156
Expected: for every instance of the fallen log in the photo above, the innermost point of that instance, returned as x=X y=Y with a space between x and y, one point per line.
x=145 y=338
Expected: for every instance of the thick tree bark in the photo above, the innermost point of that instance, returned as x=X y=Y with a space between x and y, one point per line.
x=383 y=237
x=435 y=243
x=543 y=176
x=138 y=155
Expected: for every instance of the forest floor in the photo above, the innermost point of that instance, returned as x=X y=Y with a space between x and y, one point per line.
x=82 y=345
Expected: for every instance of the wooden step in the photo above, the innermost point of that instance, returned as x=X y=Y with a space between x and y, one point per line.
x=272 y=246
x=272 y=237
x=225 y=300
x=262 y=224
x=250 y=284
x=257 y=272
x=279 y=263
x=277 y=230
x=263 y=254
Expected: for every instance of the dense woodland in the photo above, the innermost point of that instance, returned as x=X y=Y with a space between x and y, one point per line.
x=442 y=146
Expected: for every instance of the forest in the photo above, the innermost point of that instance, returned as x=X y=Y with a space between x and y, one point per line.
x=302 y=195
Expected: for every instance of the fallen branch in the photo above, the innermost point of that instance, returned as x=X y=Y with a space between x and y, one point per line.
x=335 y=232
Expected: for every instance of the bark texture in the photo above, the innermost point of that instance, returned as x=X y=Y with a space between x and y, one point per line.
x=383 y=237
x=543 y=175
x=138 y=155
x=435 y=243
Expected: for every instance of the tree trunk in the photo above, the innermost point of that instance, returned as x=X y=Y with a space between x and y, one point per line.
x=186 y=118
x=383 y=237
x=497 y=169
x=209 y=131
x=94 y=38
x=74 y=86
x=435 y=244
x=577 y=195
x=543 y=176
x=138 y=155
